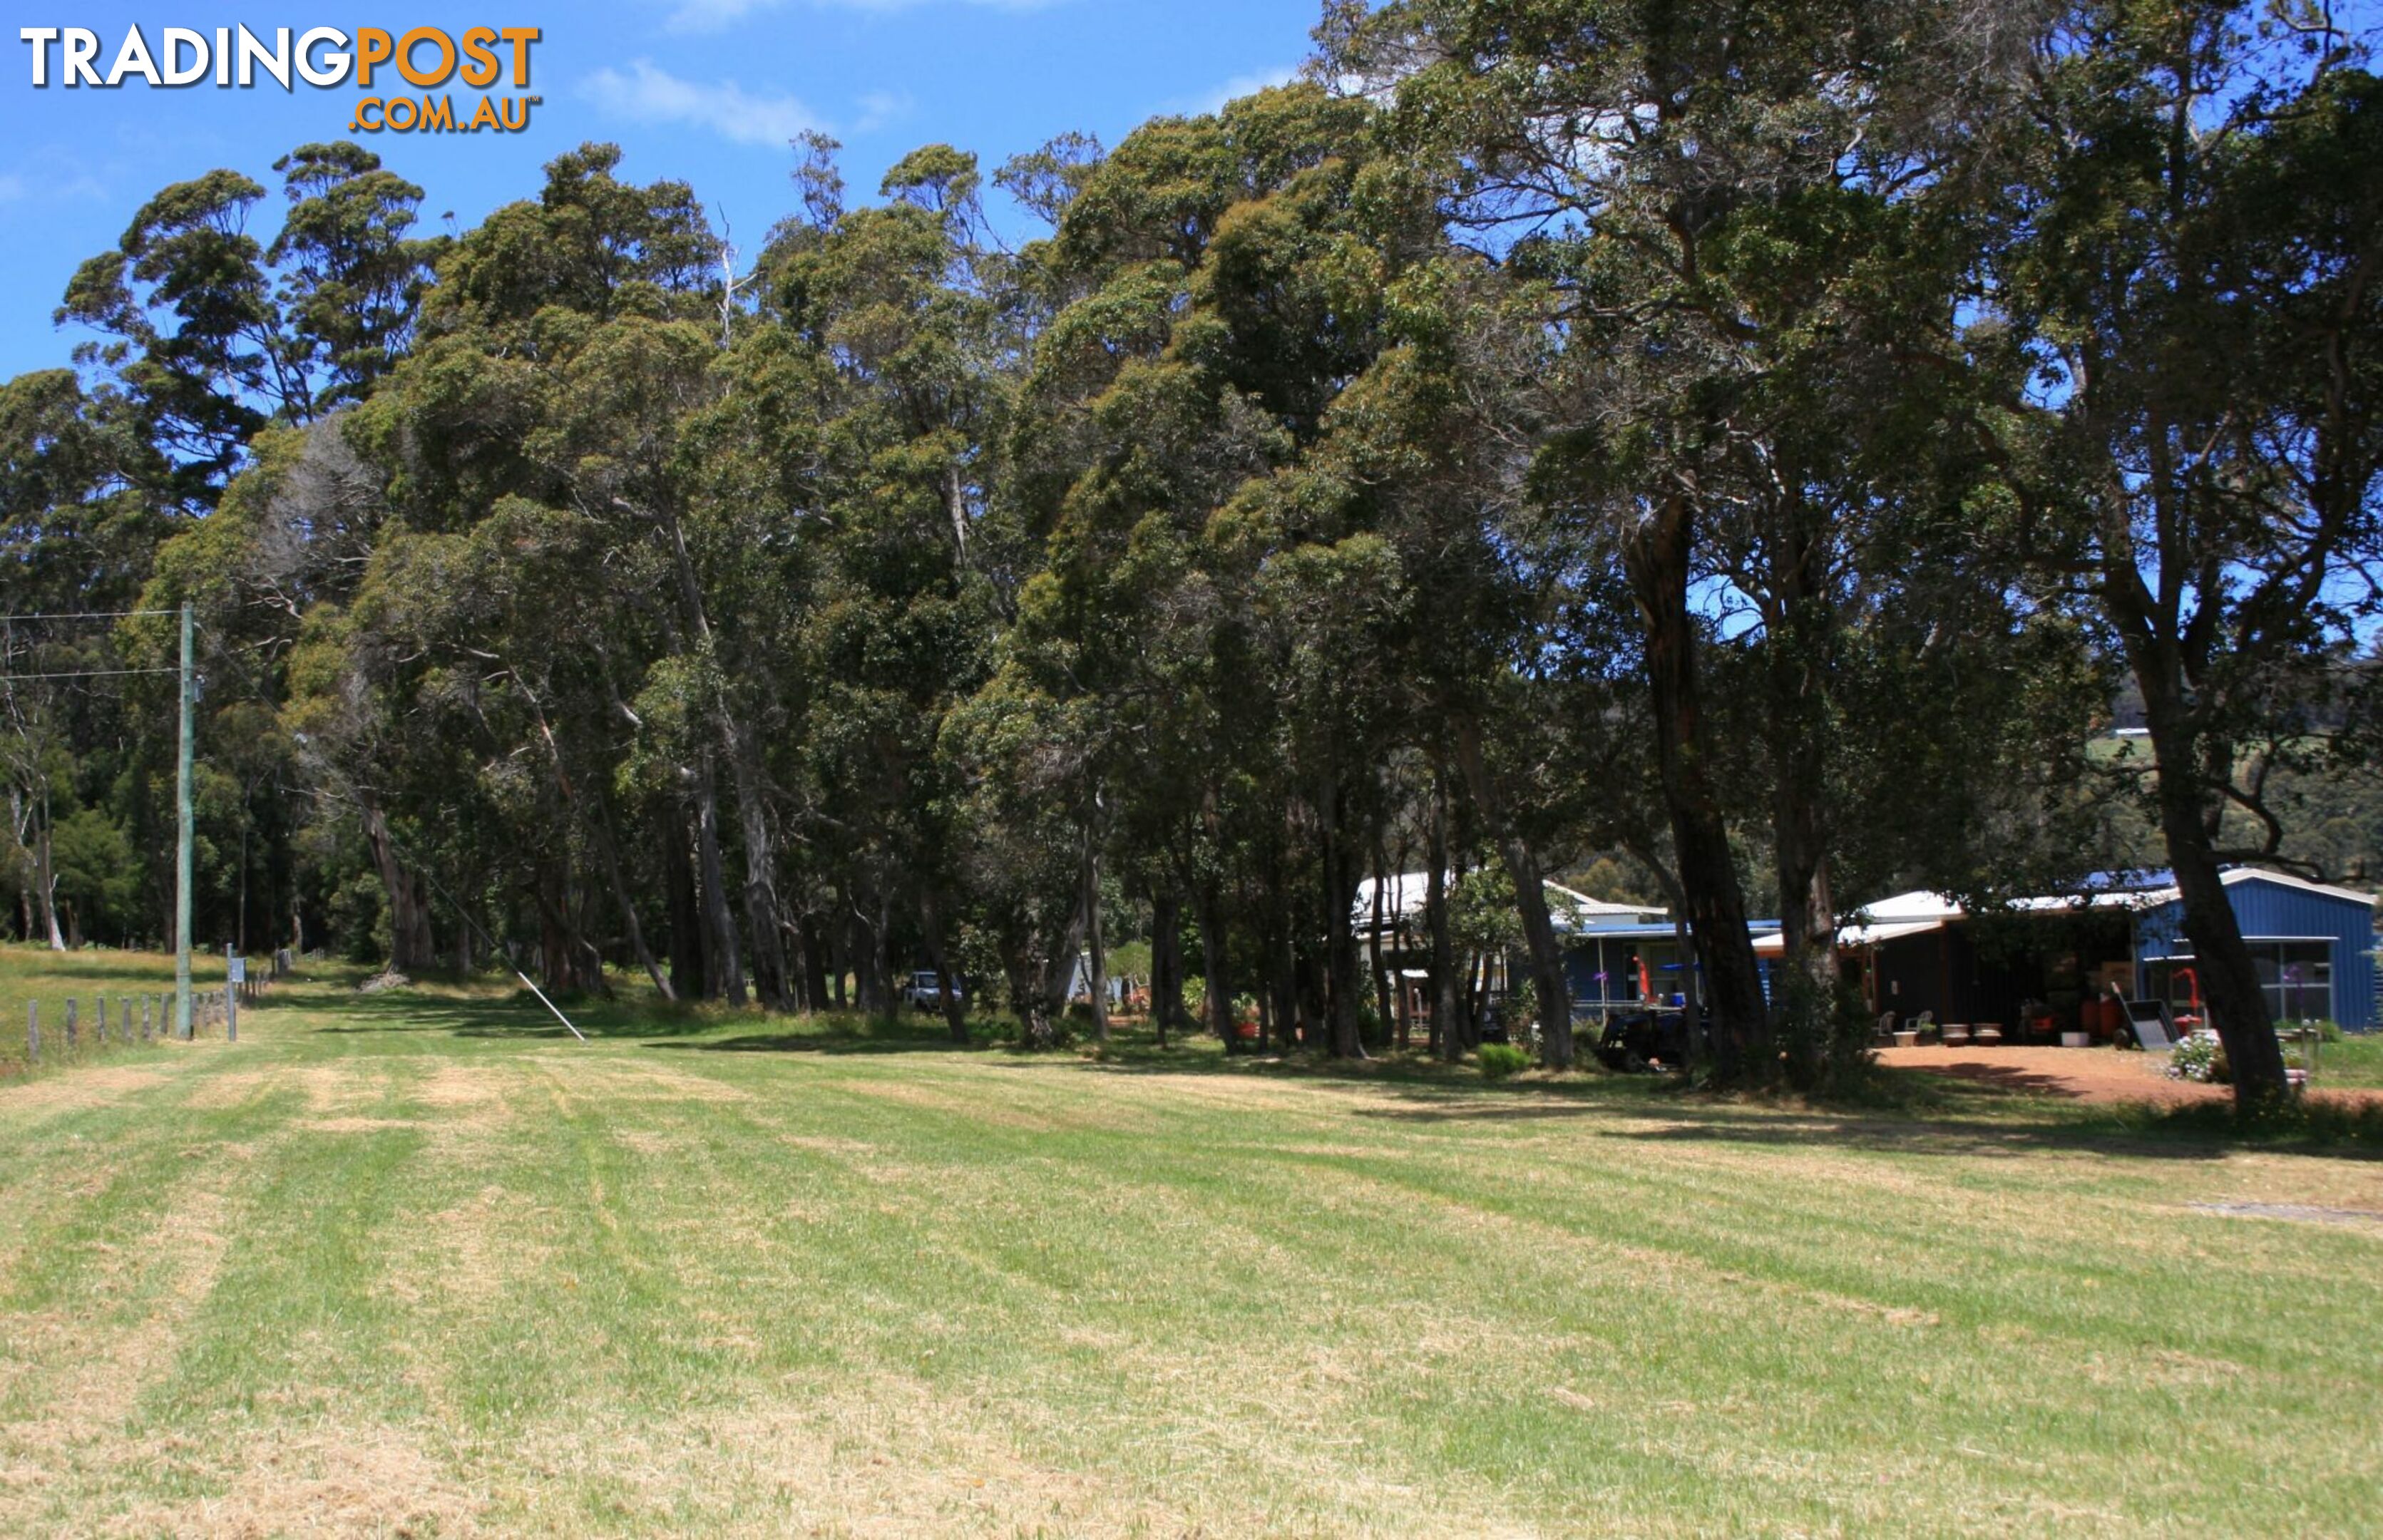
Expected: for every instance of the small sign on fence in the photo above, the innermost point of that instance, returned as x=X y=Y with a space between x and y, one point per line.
x=239 y=969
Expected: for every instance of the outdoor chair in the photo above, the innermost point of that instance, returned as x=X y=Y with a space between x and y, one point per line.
x=1886 y=1020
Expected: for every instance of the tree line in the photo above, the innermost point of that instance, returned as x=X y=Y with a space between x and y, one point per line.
x=1740 y=448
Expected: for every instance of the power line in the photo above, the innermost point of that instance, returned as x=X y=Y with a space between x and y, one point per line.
x=88 y=614
x=86 y=673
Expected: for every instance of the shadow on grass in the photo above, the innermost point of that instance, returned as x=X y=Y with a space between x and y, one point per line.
x=1996 y=1111
x=873 y=1035
x=1993 y=1112
x=2005 y=1080
x=520 y=1016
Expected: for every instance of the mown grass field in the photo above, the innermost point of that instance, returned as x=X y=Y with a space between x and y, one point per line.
x=415 y=1263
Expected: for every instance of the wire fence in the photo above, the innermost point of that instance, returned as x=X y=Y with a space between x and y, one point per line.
x=56 y=1031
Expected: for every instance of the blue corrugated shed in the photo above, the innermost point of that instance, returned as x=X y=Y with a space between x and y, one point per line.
x=2274 y=907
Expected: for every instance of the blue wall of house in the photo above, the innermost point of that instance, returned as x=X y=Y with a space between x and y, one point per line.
x=2265 y=908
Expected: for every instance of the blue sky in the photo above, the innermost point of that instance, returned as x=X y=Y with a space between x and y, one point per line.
x=704 y=90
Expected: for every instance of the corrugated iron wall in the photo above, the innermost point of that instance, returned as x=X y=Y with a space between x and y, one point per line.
x=2263 y=909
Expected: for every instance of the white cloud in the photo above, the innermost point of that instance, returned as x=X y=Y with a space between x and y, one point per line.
x=62 y=181
x=711 y=15
x=1238 y=87
x=879 y=109
x=650 y=94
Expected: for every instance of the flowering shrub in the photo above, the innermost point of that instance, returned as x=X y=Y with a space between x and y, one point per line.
x=2199 y=1058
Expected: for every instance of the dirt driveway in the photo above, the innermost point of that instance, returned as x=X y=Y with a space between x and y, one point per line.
x=2078 y=1074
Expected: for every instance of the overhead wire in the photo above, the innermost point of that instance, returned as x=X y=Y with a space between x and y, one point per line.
x=82 y=615
x=421 y=868
x=83 y=673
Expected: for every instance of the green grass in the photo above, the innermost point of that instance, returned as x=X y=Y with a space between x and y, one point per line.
x=2356 y=1059
x=416 y=1263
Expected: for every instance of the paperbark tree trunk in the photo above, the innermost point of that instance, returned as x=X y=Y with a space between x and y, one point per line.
x=1340 y=931
x=409 y=901
x=1166 y=964
x=763 y=921
x=1215 y=966
x=1656 y=559
x=931 y=921
x=1095 y=954
x=2229 y=981
x=1445 y=1037
x=726 y=977
x=815 y=954
x=1530 y=902
x=881 y=955
x=46 y=882
x=1806 y=908
x=687 y=949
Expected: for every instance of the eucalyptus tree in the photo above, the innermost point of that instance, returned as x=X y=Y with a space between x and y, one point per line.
x=900 y=317
x=1734 y=211
x=213 y=334
x=531 y=433
x=352 y=276
x=1212 y=296
x=207 y=339
x=2194 y=255
x=192 y=329
x=1431 y=447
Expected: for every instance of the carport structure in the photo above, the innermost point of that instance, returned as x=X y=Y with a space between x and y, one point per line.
x=2039 y=966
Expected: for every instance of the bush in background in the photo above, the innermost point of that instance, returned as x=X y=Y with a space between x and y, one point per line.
x=1500 y=1060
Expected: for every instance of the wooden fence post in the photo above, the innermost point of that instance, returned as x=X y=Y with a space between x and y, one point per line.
x=32 y=1029
x=99 y=1006
x=71 y=1024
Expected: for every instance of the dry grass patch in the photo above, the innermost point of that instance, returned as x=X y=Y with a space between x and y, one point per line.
x=373 y=1481
x=228 y=1089
x=621 y=1078
x=80 y=1087
x=471 y=1254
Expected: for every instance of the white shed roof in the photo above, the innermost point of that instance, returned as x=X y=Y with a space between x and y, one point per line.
x=1403 y=895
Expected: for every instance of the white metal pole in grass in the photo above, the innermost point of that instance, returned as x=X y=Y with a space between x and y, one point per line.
x=464 y=916
x=544 y=1000
x=490 y=941
x=185 y=848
